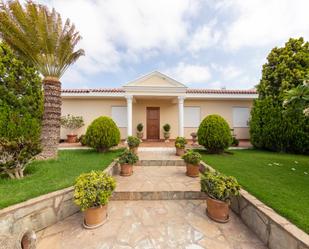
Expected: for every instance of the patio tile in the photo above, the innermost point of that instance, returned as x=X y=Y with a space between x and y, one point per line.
x=151 y=224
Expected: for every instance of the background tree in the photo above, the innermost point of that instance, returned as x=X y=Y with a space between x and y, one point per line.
x=40 y=38
x=21 y=106
x=273 y=126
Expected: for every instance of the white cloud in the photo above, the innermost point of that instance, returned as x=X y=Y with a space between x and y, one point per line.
x=189 y=73
x=117 y=31
x=261 y=23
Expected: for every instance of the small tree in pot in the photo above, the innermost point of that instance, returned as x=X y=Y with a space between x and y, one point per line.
x=220 y=189
x=180 y=144
x=166 y=132
x=72 y=123
x=126 y=161
x=192 y=159
x=92 y=192
x=133 y=143
x=139 y=132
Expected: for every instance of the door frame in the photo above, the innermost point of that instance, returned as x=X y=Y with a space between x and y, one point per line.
x=152 y=108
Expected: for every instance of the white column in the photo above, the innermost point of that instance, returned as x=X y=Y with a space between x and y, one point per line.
x=180 y=116
x=129 y=114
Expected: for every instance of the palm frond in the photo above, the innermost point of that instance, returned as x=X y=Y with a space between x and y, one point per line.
x=39 y=36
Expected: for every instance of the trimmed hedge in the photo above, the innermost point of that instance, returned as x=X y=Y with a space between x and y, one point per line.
x=102 y=134
x=214 y=134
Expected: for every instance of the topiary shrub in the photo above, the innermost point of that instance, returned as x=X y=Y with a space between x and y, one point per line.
x=214 y=134
x=133 y=142
x=102 y=134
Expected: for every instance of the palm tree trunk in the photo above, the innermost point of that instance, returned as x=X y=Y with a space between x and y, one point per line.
x=50 y=134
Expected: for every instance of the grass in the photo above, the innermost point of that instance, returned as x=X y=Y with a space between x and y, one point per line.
x=46 y=176
x=279 y=180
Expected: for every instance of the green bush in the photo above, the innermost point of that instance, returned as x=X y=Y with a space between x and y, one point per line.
x=21 y=107
x=133 y=142
x=214 y=134
x=82 y=140
x=102 y=134
x=167 y=127
x=180 y=142
x=140 y=127
x=219 y=186
x=235 y=141
x=93 y=189
x=274 y=126
x=192 y=157
x=128 y=157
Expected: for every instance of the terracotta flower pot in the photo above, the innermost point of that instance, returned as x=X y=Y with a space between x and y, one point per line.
x=180 y=152
x=71 y=138
x=95 y=216
x=126 y=169
x=193 y=170
x=217 y=210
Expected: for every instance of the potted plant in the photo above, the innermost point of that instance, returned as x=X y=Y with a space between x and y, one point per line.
x=166 y=132
x=220 y=189
x=91 y=193
x=180 y=144
x=133 y=143
x=126 y=161
x=72 y=123
x=139 y=132
x=192 y=160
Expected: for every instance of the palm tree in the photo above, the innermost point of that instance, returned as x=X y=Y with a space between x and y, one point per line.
x=39 y=37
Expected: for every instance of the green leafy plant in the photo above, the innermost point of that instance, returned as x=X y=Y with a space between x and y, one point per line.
x=235 y=141
x=133 y=142
x=166 y=128
x=219 y=186
x=82 y=140
x=21 y=108
x=102 y=134
x=277 y=120
x=140 y=127
x=180 y=142
x=93 y=189
x=192 y=157
x=214 y=134
x=128 y=157
x=72 y=122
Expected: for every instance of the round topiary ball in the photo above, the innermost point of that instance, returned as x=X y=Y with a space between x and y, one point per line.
x=102 y=134
x=214 y=134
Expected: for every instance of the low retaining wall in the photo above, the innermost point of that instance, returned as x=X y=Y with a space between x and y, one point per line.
x=40 y=212
x=274 y=230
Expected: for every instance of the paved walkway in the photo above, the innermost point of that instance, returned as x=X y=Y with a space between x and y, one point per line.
x=151 y=224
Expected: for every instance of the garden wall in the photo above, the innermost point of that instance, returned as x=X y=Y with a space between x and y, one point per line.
x=275 y=231
x=41 y=212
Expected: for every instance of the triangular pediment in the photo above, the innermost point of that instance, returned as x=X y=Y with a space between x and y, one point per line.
x=155 y=79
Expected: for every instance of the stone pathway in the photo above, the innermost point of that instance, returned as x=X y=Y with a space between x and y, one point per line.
x=151 y=224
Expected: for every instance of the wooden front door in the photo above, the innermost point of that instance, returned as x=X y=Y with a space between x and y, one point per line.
x=153 y=123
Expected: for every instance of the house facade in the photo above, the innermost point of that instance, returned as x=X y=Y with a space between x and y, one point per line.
x=156 y=99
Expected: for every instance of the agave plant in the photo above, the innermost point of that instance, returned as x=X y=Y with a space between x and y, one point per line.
x=39 y=36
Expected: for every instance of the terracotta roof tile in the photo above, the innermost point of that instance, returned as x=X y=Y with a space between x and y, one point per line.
x=221 y=91
x=94 y=90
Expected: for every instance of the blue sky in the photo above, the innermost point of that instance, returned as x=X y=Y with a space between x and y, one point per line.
x=201 y=43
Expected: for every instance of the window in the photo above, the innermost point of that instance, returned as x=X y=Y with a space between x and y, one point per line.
x=192 y=116
x=119 y=115
x=241 y=116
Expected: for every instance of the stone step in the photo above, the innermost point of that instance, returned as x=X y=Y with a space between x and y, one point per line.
x=155 y=162
x=158 y=195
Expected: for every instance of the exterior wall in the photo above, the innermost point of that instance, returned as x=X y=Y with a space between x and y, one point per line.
x=168 y=114
x=222 y=107
x=90 y=109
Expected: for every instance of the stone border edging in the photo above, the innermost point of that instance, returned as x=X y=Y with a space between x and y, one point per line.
x=42 y=211
x=273 y=229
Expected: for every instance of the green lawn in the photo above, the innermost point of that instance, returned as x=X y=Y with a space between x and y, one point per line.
x=279 y=180
x=46 y=176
